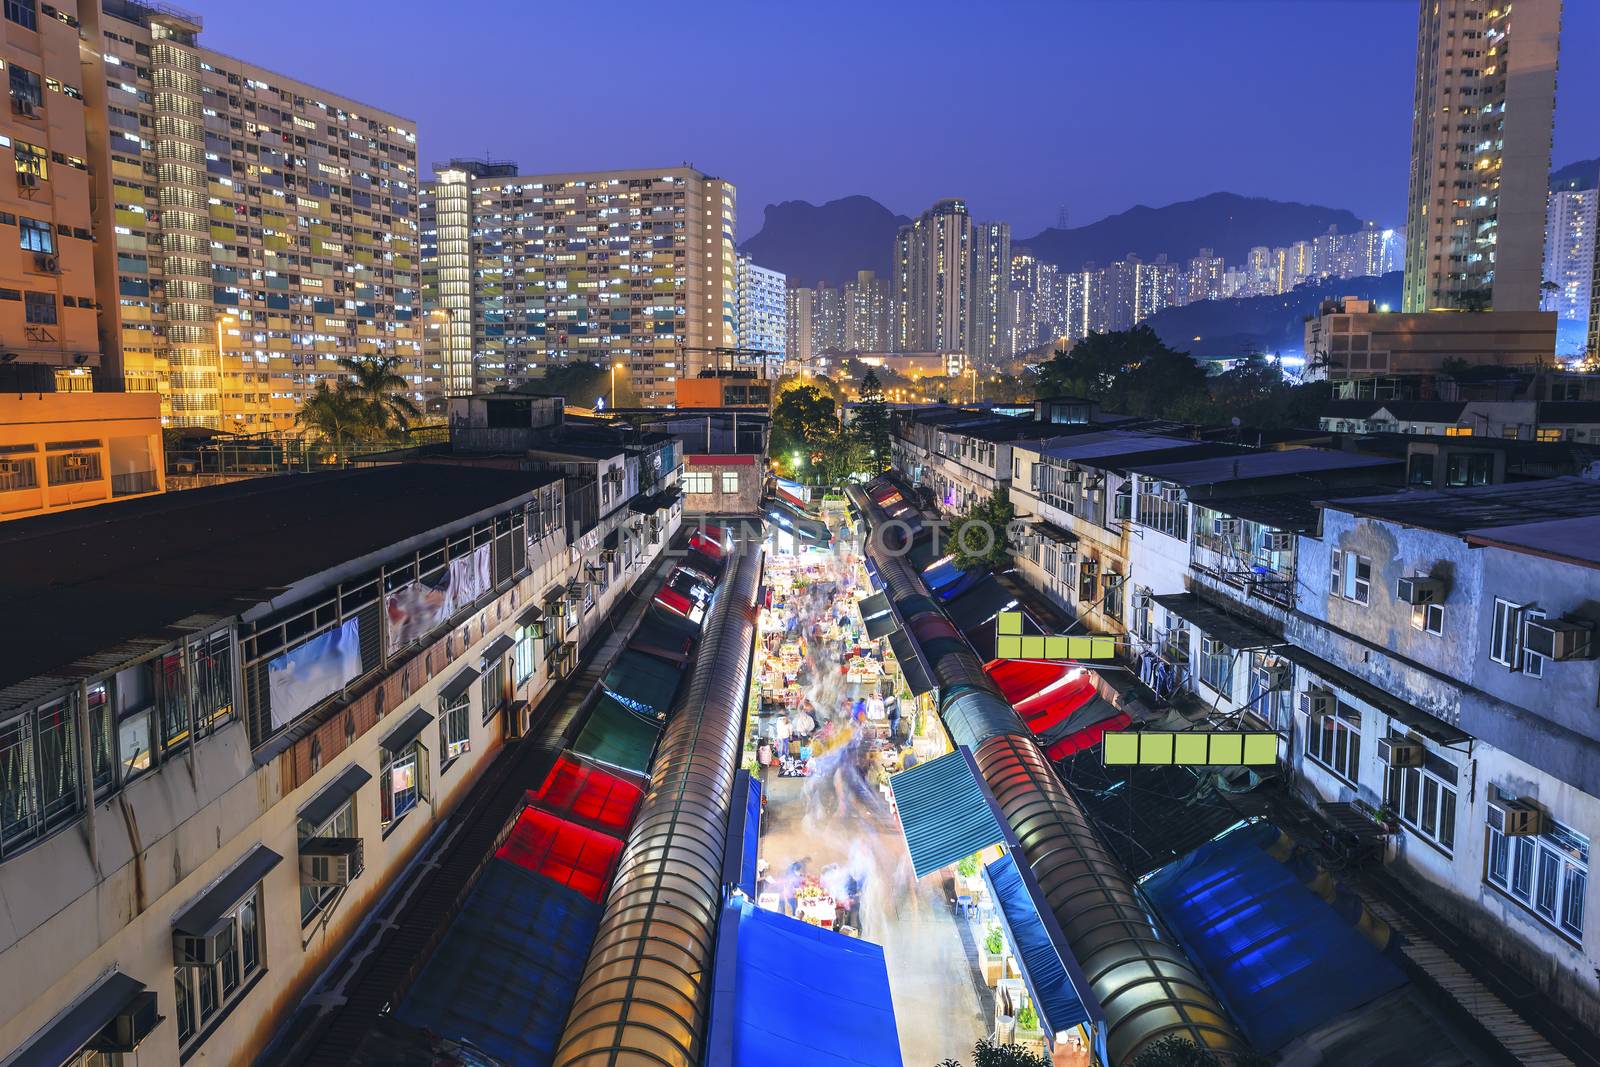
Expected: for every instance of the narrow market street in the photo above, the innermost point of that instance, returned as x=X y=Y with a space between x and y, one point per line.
x=832 y=718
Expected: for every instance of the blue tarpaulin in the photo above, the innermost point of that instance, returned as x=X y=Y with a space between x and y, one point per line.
x=1281 y=958
x=946 y=811
x=744 y=834
x=505 y=975
x=789 y=993
x=1060 y=992
x=942 y=574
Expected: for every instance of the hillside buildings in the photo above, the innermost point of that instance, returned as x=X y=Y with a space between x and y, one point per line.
x=629 y=267
x=1480 y=154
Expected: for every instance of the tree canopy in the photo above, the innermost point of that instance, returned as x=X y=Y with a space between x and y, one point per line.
x=980 y=537
x=1133 y=372
x=804 y=422
x=871 y=424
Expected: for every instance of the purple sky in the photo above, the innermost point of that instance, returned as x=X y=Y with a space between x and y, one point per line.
x=1022 y=108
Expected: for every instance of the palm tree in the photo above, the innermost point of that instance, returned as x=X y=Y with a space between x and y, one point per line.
x=374 y=383
x=336 y=414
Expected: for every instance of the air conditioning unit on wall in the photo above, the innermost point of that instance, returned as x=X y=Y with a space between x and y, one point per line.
x=1418 y=589
x=1317 y=703
x=1559 y=639
x=1400 y=752
x=1515 y=818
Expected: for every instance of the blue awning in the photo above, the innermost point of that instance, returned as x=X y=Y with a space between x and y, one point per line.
x=744 y=834
x=789 y=993
x=1282 y=959
x=1061 y=994
x=946 y=811
x=792 y=521
x=506 y=973
x=941 y=574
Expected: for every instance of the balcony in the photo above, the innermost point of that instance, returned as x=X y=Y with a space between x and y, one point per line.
x=1268 y=576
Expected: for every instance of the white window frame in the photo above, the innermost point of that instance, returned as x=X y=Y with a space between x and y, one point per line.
x=417 y=752
x=342 y=823
x=1413 y=813
x=730 y=483
x=187 y=978
x=1429 y=618
x=1545 y=855
x=1344 y=576
x=699 y=482
x=1322 y=748
x=455 y=729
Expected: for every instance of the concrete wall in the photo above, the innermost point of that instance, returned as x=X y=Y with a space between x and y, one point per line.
x=69 y=912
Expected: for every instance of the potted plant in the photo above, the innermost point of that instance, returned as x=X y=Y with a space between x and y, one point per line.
x=994 y=956
x=966 y=872
x=1029 y=1035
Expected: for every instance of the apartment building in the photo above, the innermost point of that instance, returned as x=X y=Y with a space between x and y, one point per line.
x=869 y=314
x=221 y=783
x=1360 y=347
x=258 y=228
x=762 y=318
x=1482 y=117
x=1416 y=629
x=934 y=279
x=991 y=293
x=57 y=308
x=1569 y=249
x=631 y=268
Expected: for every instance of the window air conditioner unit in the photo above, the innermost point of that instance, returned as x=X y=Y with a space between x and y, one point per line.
x=1418 y=589
x=1515 y=818
x=519 y=719
x=45 y=263
x=1072 y=476
x=128 y=1027
x=1172 y=493
x=1317 y=703
x=1399 y=752
x=1559 y=639
x=27 y=179
x=203 y=950
x=1223 y=526
x=1279 y=541
x=1278 y=674
x=23 y=106
x=328 y=862
x=1210 y=646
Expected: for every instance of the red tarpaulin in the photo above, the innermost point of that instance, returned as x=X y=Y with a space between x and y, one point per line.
x=599 y=797
x=576 y=856
x=1088 y=736
x=709 y=546
x=674 y=601
x=1054 y=704
x=1020 y=679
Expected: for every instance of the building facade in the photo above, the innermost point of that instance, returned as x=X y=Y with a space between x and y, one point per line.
x=65 y=450
x=1482 y=118
x=632 y=268
x=1569 y=252
x=263 y=227
x=869 y=316
x=991 y=292
x=763 y=317
x=935 y=257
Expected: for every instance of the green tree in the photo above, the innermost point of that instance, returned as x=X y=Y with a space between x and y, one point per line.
x=871 y=424
x=803 y=421
x=582 y=383
x=979 y=538
x=380 y=389
x=1132 y=372
x=337 y=415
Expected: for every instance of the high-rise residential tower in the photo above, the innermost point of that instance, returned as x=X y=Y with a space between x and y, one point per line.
x=934 y=262
x=264 y=227
x=828 y=319
x=1483 y=111
x=991 y=291
x=1204 y=278
x=1569 y=249
x=800 y=329
x=868 y=323
x=763 y=318
x=628 y=268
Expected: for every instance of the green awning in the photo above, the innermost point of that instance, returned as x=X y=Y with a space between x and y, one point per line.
x=644 y=681
x=946 y=811
x=616 y=736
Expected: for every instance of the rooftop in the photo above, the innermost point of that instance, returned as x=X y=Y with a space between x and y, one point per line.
x=1241 y=465
x=1571 y=539
x=88 y=581
x=1484 y=508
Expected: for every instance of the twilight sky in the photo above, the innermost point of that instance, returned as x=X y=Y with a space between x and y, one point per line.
x=1020 y=107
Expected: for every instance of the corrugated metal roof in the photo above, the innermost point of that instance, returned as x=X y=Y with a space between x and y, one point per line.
x=946 y=812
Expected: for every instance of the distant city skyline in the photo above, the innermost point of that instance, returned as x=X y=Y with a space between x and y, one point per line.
x=1239 y=95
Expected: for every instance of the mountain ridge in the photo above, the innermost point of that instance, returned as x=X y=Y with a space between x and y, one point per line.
x=828 y=242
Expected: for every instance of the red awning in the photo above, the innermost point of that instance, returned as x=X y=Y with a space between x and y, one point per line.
x=1055 y=703
x=709 y=546
x=674 y=601
x=790 y=499
x=1088 y=736
x=581 y=791
x=1020 y=679
x=576 y=856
